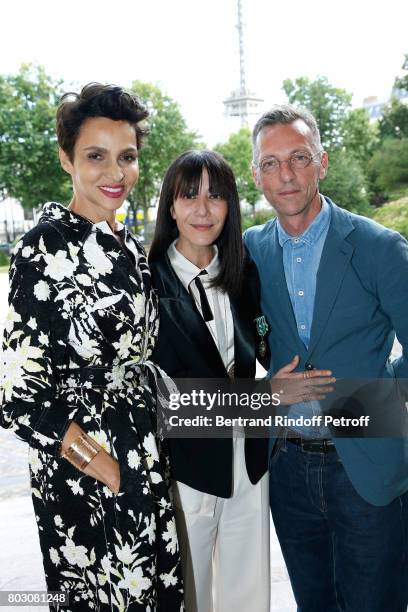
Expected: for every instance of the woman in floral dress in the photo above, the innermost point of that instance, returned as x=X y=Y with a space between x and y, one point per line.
x=80 y=331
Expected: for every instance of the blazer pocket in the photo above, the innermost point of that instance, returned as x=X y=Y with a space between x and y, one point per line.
x=192 y=501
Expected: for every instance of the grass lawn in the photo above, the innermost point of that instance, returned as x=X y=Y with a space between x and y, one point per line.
x=3 y=269
x=394 y=215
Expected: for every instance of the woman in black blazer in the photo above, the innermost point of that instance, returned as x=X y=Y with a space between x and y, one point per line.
x=219 y=485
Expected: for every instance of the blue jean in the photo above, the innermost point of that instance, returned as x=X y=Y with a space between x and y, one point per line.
x=342 y=553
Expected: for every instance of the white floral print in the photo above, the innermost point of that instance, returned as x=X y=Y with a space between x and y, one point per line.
x=125 y=554
x=100 y=264
x=42 y=291
x=170 y=536
x=134 y=581
x=75 y=555
x=75 y=486
x=134 y=460
x=58 y=266
x=82 y=322
x=55 y=558
x=101 y=438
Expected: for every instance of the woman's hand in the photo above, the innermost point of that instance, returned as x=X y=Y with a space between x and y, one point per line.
x=295 y=387
x=103 y=466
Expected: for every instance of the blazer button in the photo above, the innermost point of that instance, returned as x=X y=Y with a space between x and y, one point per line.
x=309 y=366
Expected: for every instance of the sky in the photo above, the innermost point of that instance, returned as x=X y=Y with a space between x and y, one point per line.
x=190 y=48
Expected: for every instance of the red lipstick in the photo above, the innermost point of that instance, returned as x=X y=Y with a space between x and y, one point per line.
x=112 y=191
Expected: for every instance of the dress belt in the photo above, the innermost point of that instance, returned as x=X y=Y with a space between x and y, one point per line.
x=123 y=376
x=130 y=374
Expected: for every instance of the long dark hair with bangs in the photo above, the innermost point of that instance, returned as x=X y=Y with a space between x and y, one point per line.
x=183 y=178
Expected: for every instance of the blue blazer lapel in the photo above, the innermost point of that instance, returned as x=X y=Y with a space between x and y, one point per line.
x=335 y=259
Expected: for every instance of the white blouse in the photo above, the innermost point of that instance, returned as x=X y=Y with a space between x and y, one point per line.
x=222 y=326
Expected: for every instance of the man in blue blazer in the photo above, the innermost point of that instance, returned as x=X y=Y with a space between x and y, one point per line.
x=335 y=292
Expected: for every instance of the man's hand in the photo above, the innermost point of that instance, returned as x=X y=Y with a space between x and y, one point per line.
x=296 y=387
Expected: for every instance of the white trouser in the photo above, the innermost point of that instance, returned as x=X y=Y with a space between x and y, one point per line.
x=225 y=544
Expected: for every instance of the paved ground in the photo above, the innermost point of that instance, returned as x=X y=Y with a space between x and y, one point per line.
x=21 y=565
x=20 y=557
x=3 y=299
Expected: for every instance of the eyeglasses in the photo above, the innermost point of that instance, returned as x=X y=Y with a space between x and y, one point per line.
x=297 y=161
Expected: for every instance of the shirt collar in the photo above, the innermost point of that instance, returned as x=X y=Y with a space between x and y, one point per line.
x=186 y=270
x=75 y=226
x=312 y=234
x=106 y=228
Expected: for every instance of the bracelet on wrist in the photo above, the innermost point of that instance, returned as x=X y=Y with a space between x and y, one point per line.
x=81 y=451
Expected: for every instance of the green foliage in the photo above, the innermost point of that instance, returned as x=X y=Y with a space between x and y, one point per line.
x=4 y=260
x=327 y=103
x=402 y=82
x=29 y=166
x=398 y=193
x=346 y=133
x=394 y=215
x=168 y=137
x=394 y=122
x=238 y=152
x=388 y=168
x=346 y=183
x=360 y=137
x=259 y=218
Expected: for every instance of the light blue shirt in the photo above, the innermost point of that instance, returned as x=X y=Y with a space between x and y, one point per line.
x=301 y=260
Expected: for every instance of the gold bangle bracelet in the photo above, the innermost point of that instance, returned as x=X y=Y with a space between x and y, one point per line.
x=81 y=451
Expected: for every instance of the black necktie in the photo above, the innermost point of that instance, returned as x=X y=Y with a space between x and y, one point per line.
x=205 y=306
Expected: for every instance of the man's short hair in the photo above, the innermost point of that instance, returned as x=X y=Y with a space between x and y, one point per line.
x=285 y=114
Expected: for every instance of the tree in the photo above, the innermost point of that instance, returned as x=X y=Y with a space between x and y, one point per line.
x=360 y=137
x=168 y=137
x=29 y=166
x=388 y=168
x=238 y=152
x=402 y=82
x=394 y=122
x=346 y=183
x=328 y=104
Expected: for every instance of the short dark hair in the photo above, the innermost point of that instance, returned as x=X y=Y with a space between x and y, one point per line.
x=286 y=114
x=182 y=178
x=96 y=100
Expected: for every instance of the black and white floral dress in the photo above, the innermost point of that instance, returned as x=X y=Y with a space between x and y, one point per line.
x=79 y=333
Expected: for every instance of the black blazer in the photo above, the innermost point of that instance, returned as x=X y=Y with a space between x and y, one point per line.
x=186 y=349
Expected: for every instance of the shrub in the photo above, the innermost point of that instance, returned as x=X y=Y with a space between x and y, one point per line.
x=388 y=168
x=394 y=215
x=346 y=183
x=4 y=260
x=261 y=217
